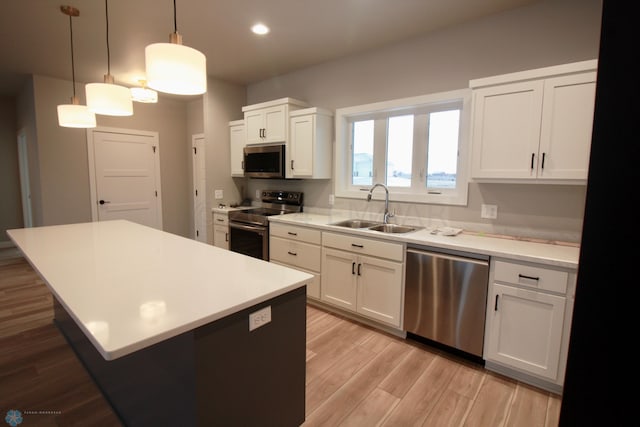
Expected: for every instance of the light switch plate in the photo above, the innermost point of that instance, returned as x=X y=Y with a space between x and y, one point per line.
x=489 y=211
x=218 y=194
x=259 y=318
x=258 y=194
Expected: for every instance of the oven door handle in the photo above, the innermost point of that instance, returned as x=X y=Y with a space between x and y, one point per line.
x=246 y=227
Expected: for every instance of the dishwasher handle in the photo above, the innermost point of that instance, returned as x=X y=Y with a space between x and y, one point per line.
x=448 y=256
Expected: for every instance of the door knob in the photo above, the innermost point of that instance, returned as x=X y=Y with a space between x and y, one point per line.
x=102 y=202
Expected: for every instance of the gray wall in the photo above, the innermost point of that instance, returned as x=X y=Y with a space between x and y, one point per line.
x=222 y=103
x=11 y=209
x=58 y=156
x=547 y=33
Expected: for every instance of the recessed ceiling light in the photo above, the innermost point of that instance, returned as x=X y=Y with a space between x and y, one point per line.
x=260 y=29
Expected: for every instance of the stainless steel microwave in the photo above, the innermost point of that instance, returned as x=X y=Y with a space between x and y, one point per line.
x=264 y=161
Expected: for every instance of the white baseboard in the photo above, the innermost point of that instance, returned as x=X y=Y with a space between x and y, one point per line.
x=7 y=244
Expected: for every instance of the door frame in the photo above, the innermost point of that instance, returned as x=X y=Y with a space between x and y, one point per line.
x=194 y=166
x=25 y=180
x=92 y=166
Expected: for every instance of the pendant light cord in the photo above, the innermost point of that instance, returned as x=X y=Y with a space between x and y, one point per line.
x=73 y=67
x=175 y=19
x=106 y=14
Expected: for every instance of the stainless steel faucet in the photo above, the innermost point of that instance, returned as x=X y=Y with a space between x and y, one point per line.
x=387 y=214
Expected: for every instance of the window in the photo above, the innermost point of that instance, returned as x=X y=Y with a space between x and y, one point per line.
x=417 y=147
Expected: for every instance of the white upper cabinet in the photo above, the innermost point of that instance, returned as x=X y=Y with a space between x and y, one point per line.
x=310 y=144
x=534 y=125
x=237 y=140
x=567 y=123
x=268 y=122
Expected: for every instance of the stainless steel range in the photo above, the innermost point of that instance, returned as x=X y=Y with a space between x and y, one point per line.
x=249 y=228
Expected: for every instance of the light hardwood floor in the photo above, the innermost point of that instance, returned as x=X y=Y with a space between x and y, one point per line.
x=356 y=375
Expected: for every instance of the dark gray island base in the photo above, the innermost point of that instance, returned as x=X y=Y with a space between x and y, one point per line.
x=219 y=374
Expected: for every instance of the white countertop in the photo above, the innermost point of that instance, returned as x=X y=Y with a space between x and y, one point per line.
x=227 y=209
x=549 y=254
x=128 y=286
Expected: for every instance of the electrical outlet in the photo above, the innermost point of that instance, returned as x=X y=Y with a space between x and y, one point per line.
x=332 y=199
x=218 y=194
x=259 y=318
x=258 y=194
x=489 y=211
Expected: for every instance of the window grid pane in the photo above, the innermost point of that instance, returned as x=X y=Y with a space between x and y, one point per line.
x=443 y=149
x=362 y=153
x=399 y=151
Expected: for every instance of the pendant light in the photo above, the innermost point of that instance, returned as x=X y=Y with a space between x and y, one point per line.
x=108 y=98
x=143 y=93
x=74 y=115
x=175 y=68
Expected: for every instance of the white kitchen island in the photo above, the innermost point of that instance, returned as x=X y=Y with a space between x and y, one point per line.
x=164 y=323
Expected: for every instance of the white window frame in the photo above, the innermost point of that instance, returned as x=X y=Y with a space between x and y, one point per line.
x=411 y=105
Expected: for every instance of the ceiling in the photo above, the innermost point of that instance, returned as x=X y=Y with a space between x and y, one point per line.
x=35 y=34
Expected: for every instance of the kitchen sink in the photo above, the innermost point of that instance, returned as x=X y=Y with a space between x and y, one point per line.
x=393 y=228
x=356 y=223
x=375 y=226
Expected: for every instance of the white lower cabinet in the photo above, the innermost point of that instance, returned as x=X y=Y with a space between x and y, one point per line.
x=354 y=280
x=339 y=285
x=528 y=322
x=299 y=248
x=221 y=230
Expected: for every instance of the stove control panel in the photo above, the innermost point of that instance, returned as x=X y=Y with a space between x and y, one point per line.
x=285 y=197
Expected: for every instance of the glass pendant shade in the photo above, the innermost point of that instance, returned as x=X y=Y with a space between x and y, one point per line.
x=109 y=99
x=144 y=95
x=176 y=69
x=75 y=116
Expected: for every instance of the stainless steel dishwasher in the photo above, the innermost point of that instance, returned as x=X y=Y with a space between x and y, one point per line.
x=446 y=297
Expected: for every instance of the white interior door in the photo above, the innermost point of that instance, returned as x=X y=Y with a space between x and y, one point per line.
x=199 y=189
x=125 y=176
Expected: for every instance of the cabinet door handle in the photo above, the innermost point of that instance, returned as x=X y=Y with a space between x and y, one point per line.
x=353 y=268
x=357 y=246
x=543 y=156
x=226 y=237
x=290 y=233
x=242 y=164
x=292 y=253
x=532 y=157
x=522 y=276
x=495 y=308
x=220 y=219
x=291 y=164
x=359 y=265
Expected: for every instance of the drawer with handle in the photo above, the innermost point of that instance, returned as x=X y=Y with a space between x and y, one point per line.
x=538 y=277
x=297 y=254
x=219 y=219
x=373 y=247
x=292 y=232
